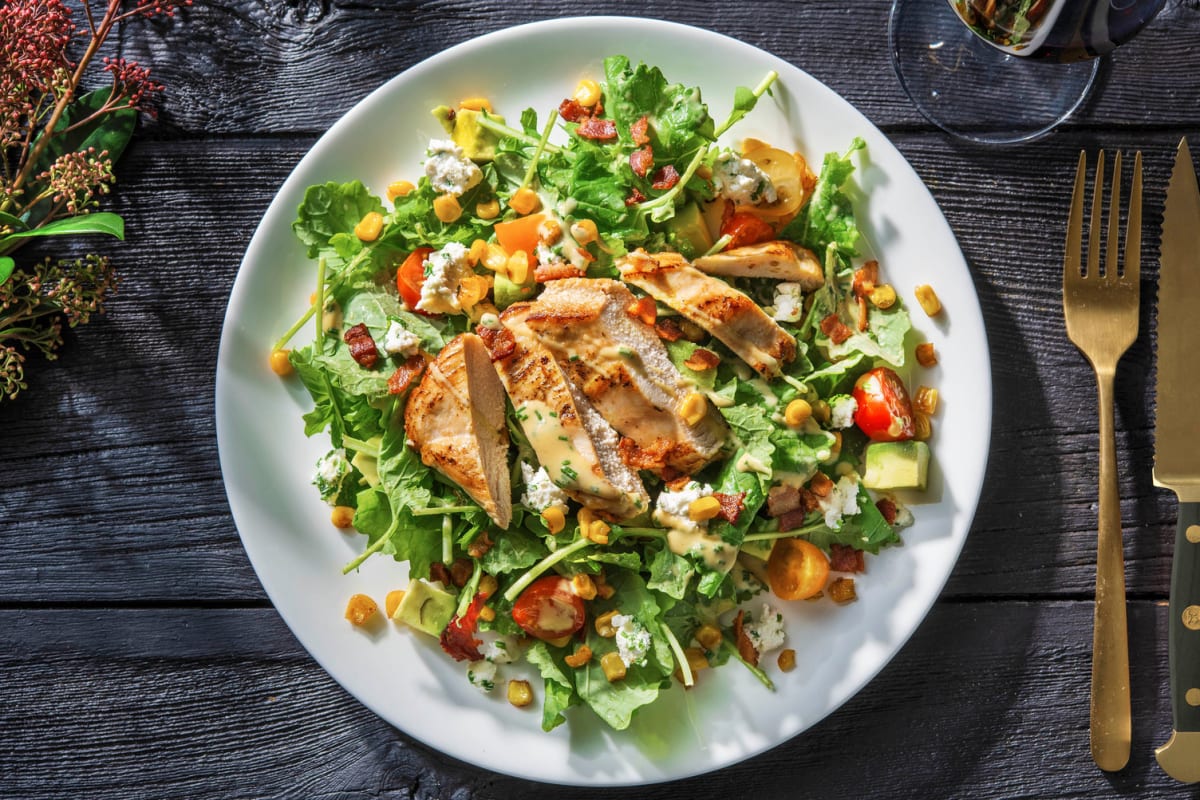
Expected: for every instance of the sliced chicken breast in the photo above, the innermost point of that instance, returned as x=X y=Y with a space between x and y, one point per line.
x=714 y=305
x=779 y=260
x=578 y=448
x=455 y=420
x=622 y=367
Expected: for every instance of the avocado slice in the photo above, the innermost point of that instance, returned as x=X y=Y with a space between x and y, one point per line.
x=507 y=292
x=477 y=142
x=688 y=233
x=425 y=607
x=896 y=465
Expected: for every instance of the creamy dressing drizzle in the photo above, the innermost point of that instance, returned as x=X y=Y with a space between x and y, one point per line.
x=559 y=450
x=685 y=537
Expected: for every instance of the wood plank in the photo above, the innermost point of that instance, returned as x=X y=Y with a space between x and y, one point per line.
x=122 y=429
x=235 y=66
x=987 y=701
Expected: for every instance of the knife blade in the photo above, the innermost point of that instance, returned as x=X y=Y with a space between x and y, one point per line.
x=1177 y=455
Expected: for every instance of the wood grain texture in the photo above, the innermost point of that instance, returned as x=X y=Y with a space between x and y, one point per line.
x=987 y=701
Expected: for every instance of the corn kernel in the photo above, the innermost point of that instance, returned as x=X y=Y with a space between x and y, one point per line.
x=581 y=656
x=709 y=636
x=605 y=591
x=922 y=426
x=613 y=666
x=494 y=258
x=696 y=658
x=693 y=409
x=787 y=660
x=517 y=267
x=360 y=609
x=487 y=209
x=520 y=693
x=797 y=412
x=399 y=189
x=524 y=201
x=584 y=231
x=555 y=519
x=549 y=232
x=925 y=400
x=598 y=532
x=561 y=641
x=477 y=104
x=926 y=356
x=604 y=626
x=883 y=296
x=342 y=516
x=587 y=93
x=487 y=613
x=472 y=289
x=281 y=365
x=583 y=586
x=446 y=208
x=476 y=252
x=488 y=585
x=586 y=517
x=703 y=508
x=392 y=602
x=928 y=299
x=369 y=227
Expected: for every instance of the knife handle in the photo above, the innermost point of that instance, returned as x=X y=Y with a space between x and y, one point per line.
x=1184 y=629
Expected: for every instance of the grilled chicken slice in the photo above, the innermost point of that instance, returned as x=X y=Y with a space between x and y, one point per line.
x=622 y=367
x=455 y=420
x=714 y=305
x=578 y=448
x=784 y=261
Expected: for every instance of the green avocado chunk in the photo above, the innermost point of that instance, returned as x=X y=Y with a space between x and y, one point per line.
x=688 y=232
x=507 y=292
x=425 y=607
x=896 y=465
x=477 y=142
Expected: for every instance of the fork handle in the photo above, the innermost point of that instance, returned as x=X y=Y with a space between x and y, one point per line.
x=1110 y=709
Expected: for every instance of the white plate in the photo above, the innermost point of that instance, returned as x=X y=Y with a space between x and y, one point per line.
x=403 y=676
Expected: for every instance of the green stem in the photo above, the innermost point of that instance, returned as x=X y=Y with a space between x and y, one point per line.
x=469 y=590
x=771 y=535
x=546 y=563
x=447 y=541
x=758 y=92
x=669 y=196
x=719 y=245
x=758 y=673
x=656 y=533
x=320 y=304
x=489 y=123
x=375 y=547
x=429 y=512
x=680 y=657
x=541 y=146
x=297 y=325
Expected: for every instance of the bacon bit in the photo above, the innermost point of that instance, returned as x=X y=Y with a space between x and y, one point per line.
x=450 y=115
x=810 y=500
x=820 y=485
x=638 y=130
x=405 y=374
x=439 y=572
x=557 y=270
x=862 y=313
x=600 y=130
x=637 y=457
x=665 y=178
x=835 y=329
x=782 y=499
x=458 y=638
x=844 y=558
x=635 y=197
x=926 y=356
x=732 y=506
x=679 y=484
x=362 y=346
x=480 y=545
x=460 y=572
x=641 y=161
x=842 y=590
x=572 y=111
x=745 y=647
x=668 y=329
x=500 y=343
x=791 y=520
x=865 y=278
x=643 y=309
x=702 y=359
x=887 y=508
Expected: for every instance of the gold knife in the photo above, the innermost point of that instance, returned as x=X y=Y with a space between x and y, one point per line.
x=1177 y=454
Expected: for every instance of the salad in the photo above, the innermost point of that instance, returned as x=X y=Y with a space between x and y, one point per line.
x=612 y=389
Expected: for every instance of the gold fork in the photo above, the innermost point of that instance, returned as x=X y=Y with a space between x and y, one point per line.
x=1101 y=311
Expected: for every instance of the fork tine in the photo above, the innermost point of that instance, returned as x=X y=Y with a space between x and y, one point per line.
x=1093 y=257
x=1112 y=252
x=1071 y=261
x=1133 y=225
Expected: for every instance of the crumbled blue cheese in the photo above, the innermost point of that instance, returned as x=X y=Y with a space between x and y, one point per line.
x=444 y=271
x=672 y=509
x=540 y=490
x=501 y=650
x=332 y=470
x=841 y=411
x=400 y=341
x=788 y=305
x=841 y=501
x=740 y=180
x=448 y=168
x=767 y=632
x=633 y=640
x=482 y=675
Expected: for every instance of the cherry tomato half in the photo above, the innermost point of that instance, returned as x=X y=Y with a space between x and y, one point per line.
x=548 y=609
x=411 y=275
x=746 y=229
x=884 y=412
x=796 y=569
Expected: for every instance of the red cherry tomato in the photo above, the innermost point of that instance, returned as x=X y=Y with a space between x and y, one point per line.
x=411 y=275
x=548 y=609
x=884 y=412
x=746 y=229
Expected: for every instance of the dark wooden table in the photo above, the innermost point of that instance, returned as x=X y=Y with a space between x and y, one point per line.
x=139 y=657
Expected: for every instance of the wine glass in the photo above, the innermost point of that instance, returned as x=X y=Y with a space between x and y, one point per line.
x=1003 y=71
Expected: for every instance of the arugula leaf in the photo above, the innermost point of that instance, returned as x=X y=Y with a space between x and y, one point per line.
x=331 y=208
x=679 y=352
x=559 y=692
x=417 y=540
x=884 y=337
x=829 y=216
x=866 y=530
x=679 y=120
x=670 y=573
x=513 y=550
x=799 y=454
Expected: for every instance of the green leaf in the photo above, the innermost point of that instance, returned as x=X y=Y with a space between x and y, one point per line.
x=514 y=550
x=104 y=222
x=110 y=131
x=559 y=692
x=331 y=208
x=7 y=265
